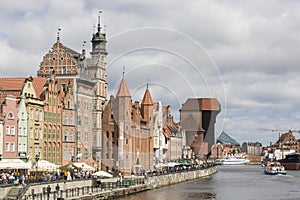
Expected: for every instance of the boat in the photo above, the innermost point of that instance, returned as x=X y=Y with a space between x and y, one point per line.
x=232 y=161
x=275 y=168
x=291 y=161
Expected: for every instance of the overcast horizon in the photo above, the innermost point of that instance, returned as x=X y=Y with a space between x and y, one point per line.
x=244 y=53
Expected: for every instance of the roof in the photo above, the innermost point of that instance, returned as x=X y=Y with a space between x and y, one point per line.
x=147 y=100
x=38 y=84
x=11 y=83
x=123 y=90
x=226 y=139
x=11 y=86
x=14 y=86
x=203 y=104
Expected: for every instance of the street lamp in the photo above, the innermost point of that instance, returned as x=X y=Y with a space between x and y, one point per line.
x=36 y=158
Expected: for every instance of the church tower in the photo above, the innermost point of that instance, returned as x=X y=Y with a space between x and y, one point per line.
x=122 y=116
x=147 y=107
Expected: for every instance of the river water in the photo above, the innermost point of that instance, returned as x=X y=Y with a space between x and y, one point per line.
x=230 y=183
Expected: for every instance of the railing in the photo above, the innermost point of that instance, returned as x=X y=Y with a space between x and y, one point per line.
x=23 y=191
x=101 y=185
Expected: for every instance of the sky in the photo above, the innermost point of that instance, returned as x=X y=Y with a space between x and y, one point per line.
x=244 y=53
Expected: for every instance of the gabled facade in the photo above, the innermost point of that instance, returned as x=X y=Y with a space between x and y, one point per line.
x=10 y=136
x=86 y=76
x=69 y=136
x=22 y=128
x=51 y=144
x=31 y=120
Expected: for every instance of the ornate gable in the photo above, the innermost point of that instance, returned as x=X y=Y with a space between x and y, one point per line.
x=59 y=60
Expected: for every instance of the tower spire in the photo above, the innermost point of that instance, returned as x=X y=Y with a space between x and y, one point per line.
x=147 y=83
x=99 y=26
x=123 y=72
x=58 y=31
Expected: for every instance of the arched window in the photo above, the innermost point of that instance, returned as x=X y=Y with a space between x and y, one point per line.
x=10 y=115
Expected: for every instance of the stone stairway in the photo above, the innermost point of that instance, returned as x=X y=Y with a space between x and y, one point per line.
x=13 y=193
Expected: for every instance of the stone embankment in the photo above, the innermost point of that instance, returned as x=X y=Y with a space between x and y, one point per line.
x=112 y=187
x=150 y=183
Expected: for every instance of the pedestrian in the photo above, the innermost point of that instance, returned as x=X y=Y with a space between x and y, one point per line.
x=57 y=188
x=48 y=191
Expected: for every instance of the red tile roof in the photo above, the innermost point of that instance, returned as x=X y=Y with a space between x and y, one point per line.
x=11 y=86
x=11 y=83
x=123 y=90
x=147 y=100
x=38 y=84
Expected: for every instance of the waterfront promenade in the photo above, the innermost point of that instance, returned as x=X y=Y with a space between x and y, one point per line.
x=106 y=188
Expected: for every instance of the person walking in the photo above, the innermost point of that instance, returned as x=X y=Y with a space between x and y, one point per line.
x=57 y=188
x=48 y=191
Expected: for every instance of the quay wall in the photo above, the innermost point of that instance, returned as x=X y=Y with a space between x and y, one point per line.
x=153 y=182
x=84 y=189
x=169 y=179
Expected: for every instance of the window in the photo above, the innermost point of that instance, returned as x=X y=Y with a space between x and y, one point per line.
x=78 y=136
x=36 y=115
x=65 y=119
x=112 y=134
x=7 y=130
x=86 y=121
x=79 y=120
x=71 y=137
x=36 y=133
x=63 y=87
x=86 y=153
x=71 y=153
x=107 y=134
x=86 y=136
x=107 y=156
x=64 y=70
x=20 y=147
x=23 y=115
x=31 y=114
x=7 y=146
x=24 y=131
x=20 y=131
x=12 y=145
x=71 y=120
x=12 y=131
x=66 y=136
x=69 y=104
x=24 y=147
x=65 y=154
x=10 y=115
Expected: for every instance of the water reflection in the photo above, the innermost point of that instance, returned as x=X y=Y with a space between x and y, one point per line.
x=230 y=183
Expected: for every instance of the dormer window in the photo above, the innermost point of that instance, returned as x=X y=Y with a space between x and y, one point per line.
x=10 y=115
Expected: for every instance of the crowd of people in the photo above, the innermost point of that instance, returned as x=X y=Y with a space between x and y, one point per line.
x=20 y=177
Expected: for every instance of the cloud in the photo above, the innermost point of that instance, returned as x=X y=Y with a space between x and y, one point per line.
x=245 y=53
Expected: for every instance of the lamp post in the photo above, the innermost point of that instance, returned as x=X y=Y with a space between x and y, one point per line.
x=36 y=158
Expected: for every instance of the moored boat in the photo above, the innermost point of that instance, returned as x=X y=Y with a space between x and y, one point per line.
x=291 y=161
x=232 y=161
x=274 y=168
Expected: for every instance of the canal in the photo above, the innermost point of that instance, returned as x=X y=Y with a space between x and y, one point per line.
x=230 y=183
